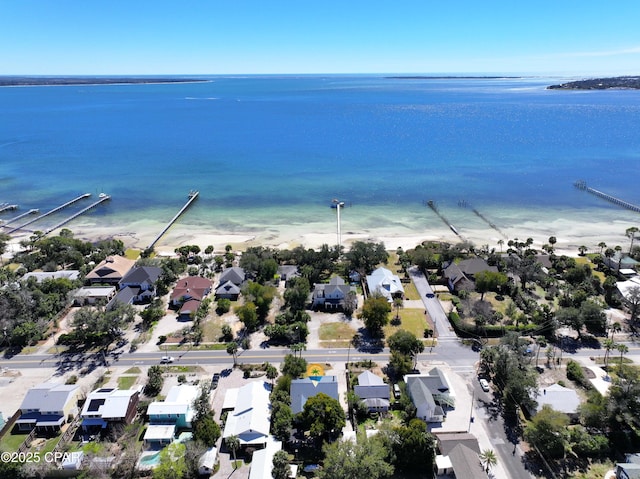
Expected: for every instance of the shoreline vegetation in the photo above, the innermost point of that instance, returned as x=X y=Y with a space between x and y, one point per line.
x=613 y=83
x=90 y=80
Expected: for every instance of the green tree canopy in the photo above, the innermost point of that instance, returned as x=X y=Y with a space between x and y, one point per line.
x=547 y=431
x=375 y=314
x=322 y=416
x=486 y=281
x=363 y=257
x=365 y=458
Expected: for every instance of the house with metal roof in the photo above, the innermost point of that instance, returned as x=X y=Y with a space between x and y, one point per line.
x=430 y=394
x=94 y=295
x=107 y=406
x=332 y=295
x=557 y=397
x=40 y=276
x=373 y=392
x=249 y=420
x=174 y=413
x=303 y=389
x=47 y=406
x=383 y=282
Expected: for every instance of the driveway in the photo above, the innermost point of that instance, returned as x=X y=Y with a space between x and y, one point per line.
x=432 y=304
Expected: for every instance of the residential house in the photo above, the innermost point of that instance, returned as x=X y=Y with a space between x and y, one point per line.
x=620 y=261
x=106 y=406
x=262 y=461
x=628 y=288
x=47 y=407
x=303 y=389
x=174 y=413
x=138 y=284
x=383 y=282
x=630 y=469
x=249 y=420
x=188 y=294
x=231 y=281
x=40 y=276
x=559 y=398
x=110 y=271
x=460 y=276
x=333 y=295
x=207 y=462
x=94 y=295
x=458 y=456
x=373 y=392
x=430 y=394
x=287 y=272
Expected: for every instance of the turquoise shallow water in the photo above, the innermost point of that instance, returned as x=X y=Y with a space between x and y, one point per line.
x=269 y=152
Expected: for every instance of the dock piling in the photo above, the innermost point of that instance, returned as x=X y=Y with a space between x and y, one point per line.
x=192 y=197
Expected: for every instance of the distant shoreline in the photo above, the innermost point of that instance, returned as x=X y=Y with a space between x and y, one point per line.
x=613 y=83
x=71 y=81
x=451 y=77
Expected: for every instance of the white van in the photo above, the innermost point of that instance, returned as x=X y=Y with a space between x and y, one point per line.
x=396 y=391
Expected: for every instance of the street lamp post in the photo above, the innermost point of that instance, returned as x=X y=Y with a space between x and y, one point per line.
x=339 y=204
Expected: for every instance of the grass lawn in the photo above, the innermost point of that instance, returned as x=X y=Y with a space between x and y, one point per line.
x=133 y=254
x=212 y=328
x=133 y=370
x=410 y=320
x=125 y=382
x=11 y=442
x=597 y=469
x=199 y=347
x=410 y=291
x=333 y=331
x=584 y=260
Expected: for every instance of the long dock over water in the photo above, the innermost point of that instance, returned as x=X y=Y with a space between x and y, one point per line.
x=192 y=197
x=582 y=185
x=7 y=207
x=16 y=218
x=431 y=204
x=55 y=210
x=102 y=198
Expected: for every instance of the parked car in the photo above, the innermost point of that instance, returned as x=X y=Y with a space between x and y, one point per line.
x=396 y=391
x=167 y=359
x=484 y=384
x=214 y=380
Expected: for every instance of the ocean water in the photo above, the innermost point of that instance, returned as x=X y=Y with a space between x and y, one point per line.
x=269 y=152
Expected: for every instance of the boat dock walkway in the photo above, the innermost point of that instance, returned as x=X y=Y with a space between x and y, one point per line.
x=12 y=220
x=192 y=197
x=431 y=204
x=102 y=199
x=7 y=207
x=68 y=203
x=582 y=185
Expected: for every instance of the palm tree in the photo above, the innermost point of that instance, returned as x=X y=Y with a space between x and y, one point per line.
x=615 y=328
x=500 y=243
x=552 y=241
x=623 y=348
x=582 y=250
x=271 y=371
x=233 y=443
x=232 y=348
x=488 y=459
x=398 y=303
x=602 y=245
x=608 y=344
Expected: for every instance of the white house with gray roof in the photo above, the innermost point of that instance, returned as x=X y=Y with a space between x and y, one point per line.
x=430 y=393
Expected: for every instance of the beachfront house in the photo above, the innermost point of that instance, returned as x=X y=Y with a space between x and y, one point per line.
x=303 y=389
x=332 y=296
x=48 y=406
x=109 y=406
x=231 y=281
x=188 y=294
x=383 y=282
x=139 y=283
x=287 y=272
x=430 y=394
x=169 y=416
x=620 y=261
x=460 y=276
x=110 y=271
x=373 y=392
x=249 y=418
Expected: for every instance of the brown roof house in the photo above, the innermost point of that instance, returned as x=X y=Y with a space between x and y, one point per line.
x=188 y=294
x=110 y=271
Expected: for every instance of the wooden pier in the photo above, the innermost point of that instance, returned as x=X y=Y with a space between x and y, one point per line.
x=102 y=198
x=582 y=185
x=4 y=224
x=431 y=204
x=7 y=207
x=192 y=197
x=68 y=203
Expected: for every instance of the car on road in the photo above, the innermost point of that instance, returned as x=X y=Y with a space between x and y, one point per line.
x=431 y=295
x=484 y=384
x=167 y=359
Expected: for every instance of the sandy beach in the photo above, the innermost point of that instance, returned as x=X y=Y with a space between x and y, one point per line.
x=405 y=229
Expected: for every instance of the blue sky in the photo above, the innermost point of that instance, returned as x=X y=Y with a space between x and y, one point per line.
x=567 y=37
